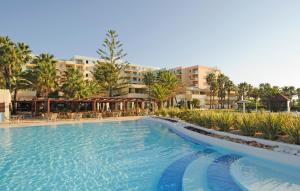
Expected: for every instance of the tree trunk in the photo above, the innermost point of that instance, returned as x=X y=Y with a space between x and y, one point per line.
x=14 y=109
x=213 y=100
x=223 y=102
x=7 y=78
x=210 y=93
x=7 y=84
x=228 y=100
x=109 y=92
x=160 y=104
x=149 y=93
x=256 y=104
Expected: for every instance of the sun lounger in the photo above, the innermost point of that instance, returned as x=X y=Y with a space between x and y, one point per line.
x=71 y=116
x=98 y=116
x=52 y=117
x=16 y=118
x=78 y=116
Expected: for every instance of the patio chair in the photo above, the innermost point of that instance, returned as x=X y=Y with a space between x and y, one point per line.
x=98 y=115
x=119 y=113
x=52 y=117
x=71 y=116
x=78 y=116
x=16 y=118
x=146 y=111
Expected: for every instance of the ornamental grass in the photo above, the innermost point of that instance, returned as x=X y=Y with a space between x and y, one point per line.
x=270 y=126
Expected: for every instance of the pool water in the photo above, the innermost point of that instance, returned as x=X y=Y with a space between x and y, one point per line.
x=129 y=155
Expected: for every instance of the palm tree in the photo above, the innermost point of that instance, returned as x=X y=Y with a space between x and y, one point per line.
x=254 y=93
x=20 y=81
x=212 y=82
x=289 y=91
x=13 y=56
x=20 y=78
x=91 y=88
x=45 y=74
x=1 y=81
x=221 y=81
x=7 y=60
x=164 y=87
x=169 y=81
x=243 y=88
x=298 y=92
x=73 y=83
x=149 y=79
x=298 y=95
x=229 y=86
x=266 y=91
x=107 y=72
x=160 y=92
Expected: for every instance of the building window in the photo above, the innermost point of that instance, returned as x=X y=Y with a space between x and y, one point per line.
x=87 y=75
x=86 y=61
x=131 y=90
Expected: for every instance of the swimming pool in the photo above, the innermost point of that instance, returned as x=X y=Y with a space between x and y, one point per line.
x=128 y=155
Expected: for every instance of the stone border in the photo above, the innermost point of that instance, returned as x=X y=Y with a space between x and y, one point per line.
x=33 y=123
x=279 y=152
x=228 y=138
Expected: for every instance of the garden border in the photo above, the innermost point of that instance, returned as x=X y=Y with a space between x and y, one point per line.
x=282 y=152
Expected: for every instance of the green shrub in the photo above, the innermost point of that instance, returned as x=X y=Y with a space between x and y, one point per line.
x=173 y=112
x=225 y=121
x=271 y=125
x=162 y=112
x=247 y=124
x=210 y=120
x=292 y=129
x=201 y=120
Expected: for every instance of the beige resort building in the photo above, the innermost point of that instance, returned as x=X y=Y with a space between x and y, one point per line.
x=193 y=79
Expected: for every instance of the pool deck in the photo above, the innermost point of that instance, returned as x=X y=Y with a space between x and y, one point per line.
x=41 y=122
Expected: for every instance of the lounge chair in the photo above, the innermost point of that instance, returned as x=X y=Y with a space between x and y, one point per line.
x=119 y=113
x=52 y=117
x=78 y=116
x=16 y=118
x=71 y=116
x=98 y=115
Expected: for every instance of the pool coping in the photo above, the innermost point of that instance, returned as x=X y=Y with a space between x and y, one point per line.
x=33 y=123
x=277 y=155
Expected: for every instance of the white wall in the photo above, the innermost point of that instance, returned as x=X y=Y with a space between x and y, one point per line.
x=6 y=98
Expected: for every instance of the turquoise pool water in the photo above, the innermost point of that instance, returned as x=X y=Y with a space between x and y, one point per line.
x=131 y=155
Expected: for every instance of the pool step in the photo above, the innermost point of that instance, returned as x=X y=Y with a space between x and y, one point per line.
x=270 y=176
x=171 y=179
x=195 y=174
x=218 y=174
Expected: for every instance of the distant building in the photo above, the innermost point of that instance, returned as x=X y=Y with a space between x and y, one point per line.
x=134 y=75
x=193 y=79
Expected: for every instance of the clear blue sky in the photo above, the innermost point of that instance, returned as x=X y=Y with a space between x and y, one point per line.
x=249 y=40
